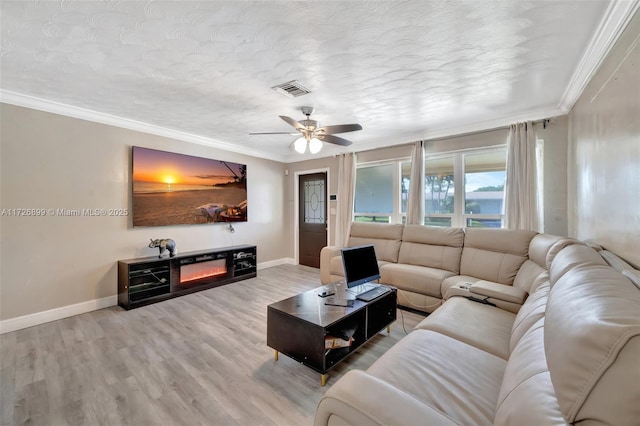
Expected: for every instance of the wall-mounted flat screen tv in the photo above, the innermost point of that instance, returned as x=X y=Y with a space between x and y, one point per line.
x=178 y=189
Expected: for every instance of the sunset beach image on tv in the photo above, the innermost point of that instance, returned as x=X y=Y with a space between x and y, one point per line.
x=178 y=189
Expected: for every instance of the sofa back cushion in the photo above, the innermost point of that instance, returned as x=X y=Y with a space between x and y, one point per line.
x=432 y=246
x=571 y=257
x=527 y=275
x=615 y=261
x=494 y=254
x=544 y=248
x=592 y=344
x=531 y=311
x=526 y=395
x=385 y=237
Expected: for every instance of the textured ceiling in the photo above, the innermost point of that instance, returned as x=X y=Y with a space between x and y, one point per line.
x=403 y=70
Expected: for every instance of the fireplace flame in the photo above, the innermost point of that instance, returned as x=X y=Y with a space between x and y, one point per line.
x=202 y=270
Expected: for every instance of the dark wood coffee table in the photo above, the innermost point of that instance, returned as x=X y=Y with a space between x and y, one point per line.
x=298 y=326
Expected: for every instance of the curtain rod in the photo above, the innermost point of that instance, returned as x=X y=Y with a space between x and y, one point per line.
x=543 y=121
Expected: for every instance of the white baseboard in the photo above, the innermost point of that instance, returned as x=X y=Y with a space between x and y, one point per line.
x=26 y=321
x=277 y=262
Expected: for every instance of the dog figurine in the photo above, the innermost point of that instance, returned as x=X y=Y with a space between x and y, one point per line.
x=164 y=244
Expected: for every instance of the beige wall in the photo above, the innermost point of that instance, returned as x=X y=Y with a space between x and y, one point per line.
x=604 y=152
x=555 y=174
x=52 y=161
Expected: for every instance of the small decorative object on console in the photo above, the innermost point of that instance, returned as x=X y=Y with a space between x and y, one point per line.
x=164 y=244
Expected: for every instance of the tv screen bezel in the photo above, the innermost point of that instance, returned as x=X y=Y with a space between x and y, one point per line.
x=368 y=276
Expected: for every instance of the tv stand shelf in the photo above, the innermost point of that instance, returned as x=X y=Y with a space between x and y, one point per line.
x=146 y=280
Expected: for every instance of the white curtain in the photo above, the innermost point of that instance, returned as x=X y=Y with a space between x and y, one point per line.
x=345 y=198
x=521 y=194
x=415 y=202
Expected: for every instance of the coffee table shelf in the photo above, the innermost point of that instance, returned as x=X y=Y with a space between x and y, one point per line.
x=297 y=327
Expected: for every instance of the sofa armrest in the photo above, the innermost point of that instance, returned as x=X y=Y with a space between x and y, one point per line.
x=359 y=398
x=326 y=254
x=499 y=291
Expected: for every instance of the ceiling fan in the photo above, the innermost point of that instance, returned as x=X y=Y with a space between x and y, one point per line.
x=313 y=134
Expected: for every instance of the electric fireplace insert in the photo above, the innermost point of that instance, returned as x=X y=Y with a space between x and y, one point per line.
x=204 y=269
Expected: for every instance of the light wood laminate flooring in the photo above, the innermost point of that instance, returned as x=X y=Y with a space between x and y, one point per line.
x=199 y=359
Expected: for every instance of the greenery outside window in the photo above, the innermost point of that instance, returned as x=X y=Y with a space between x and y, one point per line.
x=484 y=177
x=440 y=189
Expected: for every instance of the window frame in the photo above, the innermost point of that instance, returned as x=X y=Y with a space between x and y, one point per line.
x=467 y=216
x=459 y=218
x=396 y=216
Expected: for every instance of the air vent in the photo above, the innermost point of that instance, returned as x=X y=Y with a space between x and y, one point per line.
x=291 y=89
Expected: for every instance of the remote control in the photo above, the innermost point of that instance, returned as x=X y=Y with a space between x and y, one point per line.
x=325 y=293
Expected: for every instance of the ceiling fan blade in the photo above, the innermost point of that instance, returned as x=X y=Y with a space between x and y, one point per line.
x=339 y=128
x=293 y=122
x=334 y=139
x=273 y=133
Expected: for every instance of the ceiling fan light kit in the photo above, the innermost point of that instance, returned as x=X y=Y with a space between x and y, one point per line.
x=300 y=145
x=313 y=134
x=315 y=145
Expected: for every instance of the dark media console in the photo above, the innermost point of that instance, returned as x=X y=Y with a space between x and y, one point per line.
x=146 y=280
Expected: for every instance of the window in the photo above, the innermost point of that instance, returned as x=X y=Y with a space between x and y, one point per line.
x=484 y=177
x=314 y=203
x=463 y=189
x=439 y=188
x=375 y=193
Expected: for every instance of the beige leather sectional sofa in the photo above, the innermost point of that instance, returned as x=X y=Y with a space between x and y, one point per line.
x=430 y=264
x=570 y=355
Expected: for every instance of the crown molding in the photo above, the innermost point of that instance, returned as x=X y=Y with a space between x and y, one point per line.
x=27 y=101
x=615 y=20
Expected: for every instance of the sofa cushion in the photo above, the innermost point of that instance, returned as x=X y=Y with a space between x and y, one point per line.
x=418 y=279
x=592 y=344
x=444 y=373
x=346 y=404
x=527 y=275
x=485 y=327
x=385 y=238
x=432 y=246
x=544 y=248
x=526 y=395
x=494 y=254
x=615 y=261
x=531 y=312
x=633 y=275
x=571 y=257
